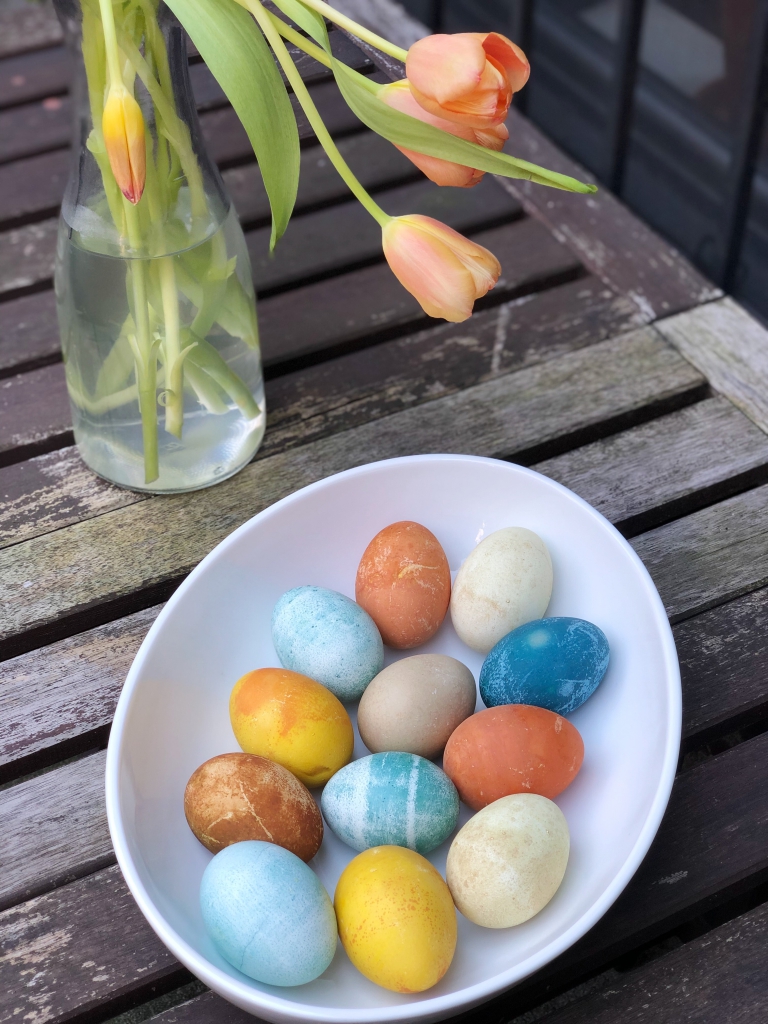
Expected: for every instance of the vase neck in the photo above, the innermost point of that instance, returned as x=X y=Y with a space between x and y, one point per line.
x=183 y=200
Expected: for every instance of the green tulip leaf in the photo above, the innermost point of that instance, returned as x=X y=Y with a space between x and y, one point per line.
x=233 y=46
x=308 y=20
x=403 y=130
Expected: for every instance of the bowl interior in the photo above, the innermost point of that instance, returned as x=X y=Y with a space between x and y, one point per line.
x=173 y=714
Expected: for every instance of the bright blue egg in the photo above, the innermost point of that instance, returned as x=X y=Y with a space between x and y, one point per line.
x=326 y=636
x=268 y=914
x=391 y=799
x=553 y=663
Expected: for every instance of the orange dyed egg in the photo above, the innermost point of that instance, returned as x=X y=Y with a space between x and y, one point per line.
x=293 y=720
x=515 y=748
x=404 y=583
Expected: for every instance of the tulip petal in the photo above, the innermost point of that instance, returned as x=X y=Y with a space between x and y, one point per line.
x=122 y=126
x=443 y=172
x=446 y=67
x=510 y=57
x=443 y=270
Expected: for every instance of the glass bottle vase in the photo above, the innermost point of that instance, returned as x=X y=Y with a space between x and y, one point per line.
x=155 y=300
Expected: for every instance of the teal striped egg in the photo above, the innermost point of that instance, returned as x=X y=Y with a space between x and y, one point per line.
x=391 y=799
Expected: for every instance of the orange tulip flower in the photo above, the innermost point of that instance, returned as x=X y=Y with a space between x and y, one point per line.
x=443 y=270
x=468 y=78
x=122 y=125
x=443 y=172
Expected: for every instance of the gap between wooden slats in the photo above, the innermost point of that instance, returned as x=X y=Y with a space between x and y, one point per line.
x=34 y=407
x=90 y=568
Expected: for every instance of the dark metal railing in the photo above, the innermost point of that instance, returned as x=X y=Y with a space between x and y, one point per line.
x=516 y=18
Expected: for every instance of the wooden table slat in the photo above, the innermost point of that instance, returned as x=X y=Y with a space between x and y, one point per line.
x=34 y=408
x=87 y=566
x=711 y=842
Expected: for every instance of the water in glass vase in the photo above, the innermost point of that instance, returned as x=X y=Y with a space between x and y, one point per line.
x=162 y=360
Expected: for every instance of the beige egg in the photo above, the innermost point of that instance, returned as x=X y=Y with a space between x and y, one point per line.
x=504 y=582
x=415 y=704
x=508 y=861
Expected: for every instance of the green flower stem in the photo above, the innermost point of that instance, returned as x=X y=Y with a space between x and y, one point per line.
x=145 y=352
x=177 y=131
x=357 y=30
x=110 y=43
x=313 y=116
x=300 y=41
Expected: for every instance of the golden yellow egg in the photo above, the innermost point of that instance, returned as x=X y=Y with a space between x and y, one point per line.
x=293 y=720
x=396 y=918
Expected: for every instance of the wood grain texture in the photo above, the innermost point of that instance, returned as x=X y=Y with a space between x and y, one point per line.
x=49 y=491
x=364 y=306
x=33 y=76
x=28 y=332
x=54 y=490
x=710 y=842
x=34 y=406
x=83 y=566
x=26 y=255
x=31 y=189
x=330 y=241
x=667 y=467
x=316 y=244
x=724 y=665
x=711 y=556
x=34 y=413
x=730 y=348
x=719 y=977
x=613 y=243
x=65 y=692
x=85 y=945
x=28 y=28
x=58 y=822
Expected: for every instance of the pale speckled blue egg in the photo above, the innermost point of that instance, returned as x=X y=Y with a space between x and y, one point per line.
x=391 y=799
x=554 y=663
x=326 y=636
x=268 y=914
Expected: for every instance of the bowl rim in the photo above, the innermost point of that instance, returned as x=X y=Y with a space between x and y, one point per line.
x=277 y=1008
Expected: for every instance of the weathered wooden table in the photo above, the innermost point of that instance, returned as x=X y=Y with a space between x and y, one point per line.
x=602 y=359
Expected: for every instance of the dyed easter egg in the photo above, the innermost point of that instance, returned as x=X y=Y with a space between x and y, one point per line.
x=504 y=582
x=554 y=663
x=404 y=583
x=415 y=704
x=291 y=719
x=396 y=919
x=392 y=799
x=325 y=636
x=508 y=861
x=268 y=914
x=235 y=797
x=514 y=748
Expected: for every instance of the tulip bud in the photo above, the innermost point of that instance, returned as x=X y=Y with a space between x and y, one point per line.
x=122 y=125
x=443 y=172
x=468 y=78
x=443 y=270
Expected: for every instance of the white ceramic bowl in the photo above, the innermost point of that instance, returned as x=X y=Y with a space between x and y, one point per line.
x=173 y=715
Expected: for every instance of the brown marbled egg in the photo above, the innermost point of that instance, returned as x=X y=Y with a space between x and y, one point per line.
x=514 y=748
x=404 y=583
x=234 y=797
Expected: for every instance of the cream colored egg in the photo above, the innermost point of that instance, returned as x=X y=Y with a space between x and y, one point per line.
x=504 y=582
x=508 y=861
x=415 y=704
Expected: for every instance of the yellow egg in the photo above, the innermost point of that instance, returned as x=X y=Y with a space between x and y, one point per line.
x=396 y=918
x=293 y=720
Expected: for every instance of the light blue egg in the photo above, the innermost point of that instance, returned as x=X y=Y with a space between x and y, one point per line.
x=268 y=914
x=325 y=636
x=554 y=663
x=391 y=799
